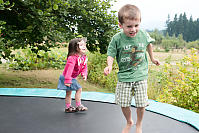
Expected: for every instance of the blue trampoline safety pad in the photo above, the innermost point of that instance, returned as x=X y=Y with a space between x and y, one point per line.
x=168 y=110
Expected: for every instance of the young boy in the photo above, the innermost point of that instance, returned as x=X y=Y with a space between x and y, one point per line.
x=129 y=47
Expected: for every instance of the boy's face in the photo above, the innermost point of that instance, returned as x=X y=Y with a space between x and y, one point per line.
x=82 y=47
x=130 y=27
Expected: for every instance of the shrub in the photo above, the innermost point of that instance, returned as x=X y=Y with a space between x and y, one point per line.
x=96 y=65
x=194 y=44
x=26 y=59
x=180 y=83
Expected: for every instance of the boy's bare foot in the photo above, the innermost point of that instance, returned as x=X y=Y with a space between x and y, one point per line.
x=128 y=127
x=138 y=129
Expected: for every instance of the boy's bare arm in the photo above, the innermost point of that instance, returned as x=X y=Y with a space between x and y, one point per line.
x=150 y=51
x=108 y=69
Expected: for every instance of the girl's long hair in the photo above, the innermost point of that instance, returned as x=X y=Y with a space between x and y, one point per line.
x=73 y=47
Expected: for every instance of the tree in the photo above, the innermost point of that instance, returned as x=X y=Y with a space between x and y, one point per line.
x=93 y=21
x=3 y=49
x=157 y=36
x=188 y=28
x=42 y=23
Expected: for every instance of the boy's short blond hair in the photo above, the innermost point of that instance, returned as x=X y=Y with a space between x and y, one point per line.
x=129 y=11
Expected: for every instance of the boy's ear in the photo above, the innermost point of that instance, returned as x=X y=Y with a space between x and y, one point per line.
x=120 y=25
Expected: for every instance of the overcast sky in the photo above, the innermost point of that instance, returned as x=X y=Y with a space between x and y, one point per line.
x=155 y=12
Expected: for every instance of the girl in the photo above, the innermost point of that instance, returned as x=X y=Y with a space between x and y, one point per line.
x=76 y=64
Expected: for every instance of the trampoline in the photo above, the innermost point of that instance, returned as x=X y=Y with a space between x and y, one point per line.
x=25 y=110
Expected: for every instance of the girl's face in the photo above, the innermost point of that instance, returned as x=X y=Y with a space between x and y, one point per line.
x=82 y=47
x=130 y=27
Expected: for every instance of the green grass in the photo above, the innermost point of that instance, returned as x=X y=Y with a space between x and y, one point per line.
x=38 y=79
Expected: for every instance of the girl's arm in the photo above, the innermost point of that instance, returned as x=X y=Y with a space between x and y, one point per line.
x=84 y=71
x=68 y=70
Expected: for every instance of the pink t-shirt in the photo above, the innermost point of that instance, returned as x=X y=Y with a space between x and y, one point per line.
x=75 y=65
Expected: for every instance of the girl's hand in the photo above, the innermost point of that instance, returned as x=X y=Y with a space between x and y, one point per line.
x=84 y=77
x=67 y=84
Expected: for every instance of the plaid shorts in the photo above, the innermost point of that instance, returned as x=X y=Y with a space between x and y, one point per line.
x=125 y=91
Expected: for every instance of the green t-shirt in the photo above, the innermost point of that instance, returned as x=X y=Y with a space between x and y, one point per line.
x=131 y=55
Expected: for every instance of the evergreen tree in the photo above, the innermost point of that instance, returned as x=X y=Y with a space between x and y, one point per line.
x=188 y=28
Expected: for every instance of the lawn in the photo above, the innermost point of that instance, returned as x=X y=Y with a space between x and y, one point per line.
x=37 y=79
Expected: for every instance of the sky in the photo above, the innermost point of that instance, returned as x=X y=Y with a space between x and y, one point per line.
x=155 y=12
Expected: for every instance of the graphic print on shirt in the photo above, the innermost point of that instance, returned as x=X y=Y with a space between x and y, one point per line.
x=135 y=56
x=83 y=61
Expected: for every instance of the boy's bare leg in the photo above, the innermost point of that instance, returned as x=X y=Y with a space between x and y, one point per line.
x=140 y=115
x=127 y=113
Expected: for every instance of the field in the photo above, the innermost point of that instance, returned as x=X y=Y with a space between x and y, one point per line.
x=48 y=78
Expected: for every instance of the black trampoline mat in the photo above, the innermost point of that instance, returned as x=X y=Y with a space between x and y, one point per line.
x=46 y=115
